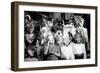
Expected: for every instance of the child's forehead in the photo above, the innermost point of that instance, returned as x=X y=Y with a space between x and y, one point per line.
x=31 y=34
x=78 y=35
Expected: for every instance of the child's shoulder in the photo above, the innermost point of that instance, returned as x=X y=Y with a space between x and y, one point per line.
x=78 y=45
x=72 y=43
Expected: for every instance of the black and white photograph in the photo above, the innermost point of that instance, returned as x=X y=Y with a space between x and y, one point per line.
x=56 y=36
x=53 y=36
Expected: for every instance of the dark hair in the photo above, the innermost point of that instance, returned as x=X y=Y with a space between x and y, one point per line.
x=30 y=48
x=54 y=29
x=81 y=36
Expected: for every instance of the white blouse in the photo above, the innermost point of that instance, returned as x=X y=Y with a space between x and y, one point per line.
x=67 y=51
x=79 y=48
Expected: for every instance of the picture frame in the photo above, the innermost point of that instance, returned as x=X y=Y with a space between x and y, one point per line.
x=22 y=12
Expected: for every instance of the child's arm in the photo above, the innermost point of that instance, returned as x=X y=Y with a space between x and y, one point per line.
x=46 y=49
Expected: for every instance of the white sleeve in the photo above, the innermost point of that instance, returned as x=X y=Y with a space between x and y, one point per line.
x=73 y=31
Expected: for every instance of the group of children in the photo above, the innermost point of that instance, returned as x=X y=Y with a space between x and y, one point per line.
x=54 y=42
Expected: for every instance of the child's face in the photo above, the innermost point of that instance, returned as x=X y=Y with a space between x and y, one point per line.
x=78 y=38
x=59 y=37
x=50 y=24
x=30 y=37
x=44 y=32
x=82 y=22
x=59 y=40
x=30 y=26
x=31 y=52
x=51 y=39
x=67 y=40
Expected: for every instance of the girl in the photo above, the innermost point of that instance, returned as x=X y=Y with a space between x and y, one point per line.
x=52 y=51
x=31 y=54
x=67 y=48
x=80 y=39
x=79 y=46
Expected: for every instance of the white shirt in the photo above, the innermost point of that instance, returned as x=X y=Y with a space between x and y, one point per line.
x=67 y=51
x=79 y=48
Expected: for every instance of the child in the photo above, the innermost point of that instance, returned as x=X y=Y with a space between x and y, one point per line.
x=79 y=46
x=81 y=39
x=52 y=52
x=59 y=42
x=31 y=54
x=67 y=48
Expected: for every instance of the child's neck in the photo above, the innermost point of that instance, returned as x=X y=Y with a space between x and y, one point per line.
x=67 y=44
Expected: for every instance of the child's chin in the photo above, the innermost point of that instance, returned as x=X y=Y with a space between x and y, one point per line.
x=66 y=44
x=30 y=42
x=78 y=41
